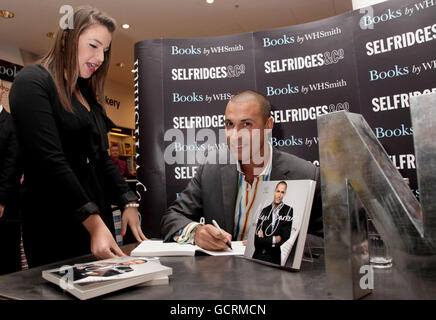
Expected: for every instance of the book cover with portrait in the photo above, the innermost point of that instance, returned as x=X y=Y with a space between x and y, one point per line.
x=278 y=226
x=89 y=280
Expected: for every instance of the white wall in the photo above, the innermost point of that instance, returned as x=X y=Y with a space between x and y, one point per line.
x=357 y=4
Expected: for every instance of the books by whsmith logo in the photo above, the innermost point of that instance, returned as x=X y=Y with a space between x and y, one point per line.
x=272 y=91
x=175 y=50
x=397 y=71
x=194 y=97
x=395 y=132
x=369 y=19
x=283 y=40
x=286 y=142
x=191 y=50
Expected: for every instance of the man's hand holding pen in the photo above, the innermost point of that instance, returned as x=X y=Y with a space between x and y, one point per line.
x=211 y=238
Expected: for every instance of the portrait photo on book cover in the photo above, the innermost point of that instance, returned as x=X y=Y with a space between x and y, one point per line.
x=105 y=270
x=279 y=222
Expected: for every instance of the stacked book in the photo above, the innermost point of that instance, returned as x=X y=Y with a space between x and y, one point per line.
x=97 y=278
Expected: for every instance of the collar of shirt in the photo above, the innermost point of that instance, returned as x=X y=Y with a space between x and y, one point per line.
x=275 y=212
x=267 y=167
x=1 y=108
x=276 y=209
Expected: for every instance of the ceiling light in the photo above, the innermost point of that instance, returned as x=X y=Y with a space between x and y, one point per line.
x=125 y=26
x=6 y=14
x=210 y=1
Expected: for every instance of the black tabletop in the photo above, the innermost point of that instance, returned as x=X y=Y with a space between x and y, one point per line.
x=211 y=278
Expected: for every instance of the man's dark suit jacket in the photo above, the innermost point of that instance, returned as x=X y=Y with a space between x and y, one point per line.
x=212 y=194
x=264 y=249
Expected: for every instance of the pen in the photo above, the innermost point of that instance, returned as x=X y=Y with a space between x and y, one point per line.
x=218 y=227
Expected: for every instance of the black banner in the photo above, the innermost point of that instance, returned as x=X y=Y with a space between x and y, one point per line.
x=200 y=76
x=396 y=59
x=306 y=71
x=368 y=61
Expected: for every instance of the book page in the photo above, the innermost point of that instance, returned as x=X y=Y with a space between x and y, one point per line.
x=156 y=248
x=238 y=249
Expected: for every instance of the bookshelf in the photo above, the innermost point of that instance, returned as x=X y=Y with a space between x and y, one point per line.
x=125 y=139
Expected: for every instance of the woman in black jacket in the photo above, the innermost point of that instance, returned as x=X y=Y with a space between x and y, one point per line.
x=70 y=181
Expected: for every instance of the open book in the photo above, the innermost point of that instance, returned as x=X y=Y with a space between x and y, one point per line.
x=158 y=248
x=96 y=278
x=278 y=225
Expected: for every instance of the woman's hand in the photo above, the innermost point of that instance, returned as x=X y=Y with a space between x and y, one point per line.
x=131 y=218
x=103 y=245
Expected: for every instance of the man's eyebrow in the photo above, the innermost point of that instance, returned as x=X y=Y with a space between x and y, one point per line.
x=241 y=120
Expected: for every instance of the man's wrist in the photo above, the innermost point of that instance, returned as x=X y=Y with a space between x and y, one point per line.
x=193 y=232
x=186 y=234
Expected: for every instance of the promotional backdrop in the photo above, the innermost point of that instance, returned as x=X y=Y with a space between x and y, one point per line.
x=368 y=61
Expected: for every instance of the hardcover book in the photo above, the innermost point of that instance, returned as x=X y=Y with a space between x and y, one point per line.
x=279 y=222
x=157 y=248
x=97 y=278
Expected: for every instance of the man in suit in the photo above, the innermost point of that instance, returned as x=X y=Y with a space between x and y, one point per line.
x=273 y=227
x=226 y=192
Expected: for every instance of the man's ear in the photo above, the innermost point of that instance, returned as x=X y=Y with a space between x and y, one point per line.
x=269 y=123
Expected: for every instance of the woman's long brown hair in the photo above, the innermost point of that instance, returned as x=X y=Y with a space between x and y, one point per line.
x=62 y=59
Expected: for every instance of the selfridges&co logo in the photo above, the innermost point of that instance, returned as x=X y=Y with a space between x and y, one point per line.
x=175 y=50
x=283 y=40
